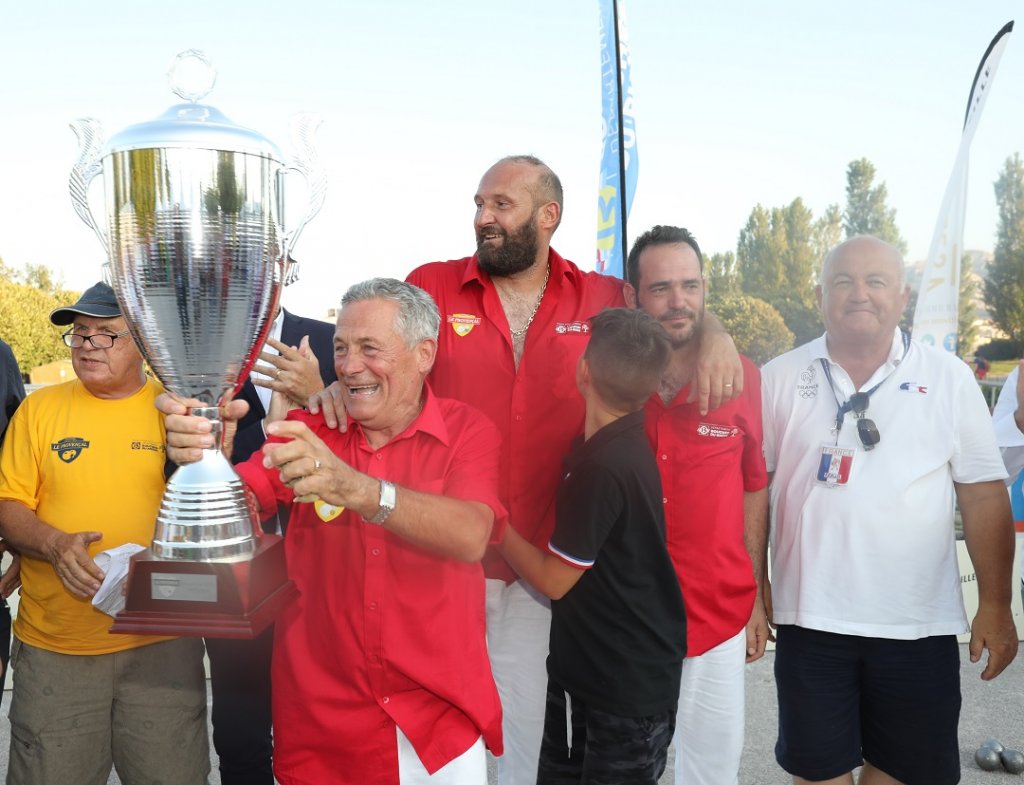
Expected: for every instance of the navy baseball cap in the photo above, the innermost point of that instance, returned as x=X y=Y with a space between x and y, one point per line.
x=98 y=300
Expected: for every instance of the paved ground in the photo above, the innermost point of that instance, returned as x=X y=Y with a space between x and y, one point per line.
x=990 y=709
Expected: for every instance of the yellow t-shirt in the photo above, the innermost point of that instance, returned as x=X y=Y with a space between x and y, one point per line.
x=82 y=464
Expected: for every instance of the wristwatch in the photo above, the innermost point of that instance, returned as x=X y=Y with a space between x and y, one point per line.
x=387 y=503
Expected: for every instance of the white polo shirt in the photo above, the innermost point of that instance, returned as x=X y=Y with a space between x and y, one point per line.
x=1008 y=435
x=1011 y=443
x=862 y=542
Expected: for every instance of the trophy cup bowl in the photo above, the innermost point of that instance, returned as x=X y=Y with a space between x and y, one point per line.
x=197 y=253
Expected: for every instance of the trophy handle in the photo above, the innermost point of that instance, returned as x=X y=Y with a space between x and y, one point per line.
x=306 y=161
x=90 y=144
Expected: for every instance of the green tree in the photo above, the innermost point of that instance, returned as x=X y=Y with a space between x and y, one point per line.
x=907 y=320
x=866 y=208
x=1004 y=289
x=967 y=311
x=23 y=316
x=778 y=261
x=828 y=233
x=722 y=273
x=6 y=273
x=40 y=277
x=757 y=328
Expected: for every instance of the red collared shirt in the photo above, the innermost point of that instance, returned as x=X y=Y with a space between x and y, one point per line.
x=384 y=632
x=706 y=464
x=537 y=409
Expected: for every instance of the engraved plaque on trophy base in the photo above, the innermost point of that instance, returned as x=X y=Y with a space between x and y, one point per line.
x=206 y=599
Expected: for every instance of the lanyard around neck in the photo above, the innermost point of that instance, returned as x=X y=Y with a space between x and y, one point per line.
x=843 y=408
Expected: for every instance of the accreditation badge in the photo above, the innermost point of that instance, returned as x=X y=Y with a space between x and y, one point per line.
x=834 y=466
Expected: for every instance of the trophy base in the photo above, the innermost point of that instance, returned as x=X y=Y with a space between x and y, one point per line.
x=206 y=599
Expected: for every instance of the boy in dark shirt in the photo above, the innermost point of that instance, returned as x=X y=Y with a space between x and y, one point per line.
x=618 y=629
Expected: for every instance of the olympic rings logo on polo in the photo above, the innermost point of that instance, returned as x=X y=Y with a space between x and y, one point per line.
x=563 y=328
x=463 y=323
x=807 y=385
x=914 y=387
x=69 y=448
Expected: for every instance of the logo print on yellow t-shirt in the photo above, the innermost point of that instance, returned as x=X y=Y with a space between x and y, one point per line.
x=69 y=448
x=327 y=512
x=463 y=323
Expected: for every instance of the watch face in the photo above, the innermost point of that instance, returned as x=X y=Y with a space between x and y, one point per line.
x=387 y=502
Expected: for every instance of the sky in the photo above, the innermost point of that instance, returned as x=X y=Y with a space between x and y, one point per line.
x=736 y=104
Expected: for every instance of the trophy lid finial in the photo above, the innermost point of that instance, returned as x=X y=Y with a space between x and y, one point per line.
x=192 y=75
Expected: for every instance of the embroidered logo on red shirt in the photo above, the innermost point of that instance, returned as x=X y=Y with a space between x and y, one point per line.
x=717 y=431
x=463 y=323
x=326 y=512
x=572 y=327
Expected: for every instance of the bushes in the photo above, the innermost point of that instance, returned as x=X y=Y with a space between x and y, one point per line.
x=757 y=328
x=1001 y=349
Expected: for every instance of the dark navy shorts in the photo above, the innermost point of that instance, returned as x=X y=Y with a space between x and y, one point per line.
x=605 y=749
x=844 y=699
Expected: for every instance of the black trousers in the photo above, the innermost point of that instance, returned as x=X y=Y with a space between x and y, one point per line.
x=5 y=640
x=242 y=727
x=605 y=749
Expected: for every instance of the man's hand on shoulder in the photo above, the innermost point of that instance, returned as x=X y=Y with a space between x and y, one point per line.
x=719 y=370
x=328 y=403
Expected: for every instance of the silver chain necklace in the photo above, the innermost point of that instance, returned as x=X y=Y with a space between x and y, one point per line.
x=522 y=330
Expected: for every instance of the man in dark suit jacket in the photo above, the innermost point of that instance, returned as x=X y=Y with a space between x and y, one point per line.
x=295 y=367
x=12 y=393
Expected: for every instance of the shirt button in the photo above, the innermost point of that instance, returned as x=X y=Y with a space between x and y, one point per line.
x=385 y=699
x=377 y=455
x=664 y=501
x=373 y=606
x=664 y=457
x=375 y=551
x=519 y=418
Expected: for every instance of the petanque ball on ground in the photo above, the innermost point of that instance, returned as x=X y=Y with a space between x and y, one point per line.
x=994 y=744
x=1013 y=761
x=988 y=759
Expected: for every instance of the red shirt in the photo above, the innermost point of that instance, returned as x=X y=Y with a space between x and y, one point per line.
x=706 y=464
x=384 y=632
x=537 y=409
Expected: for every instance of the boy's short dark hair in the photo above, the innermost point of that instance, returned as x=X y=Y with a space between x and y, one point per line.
x=627 y=354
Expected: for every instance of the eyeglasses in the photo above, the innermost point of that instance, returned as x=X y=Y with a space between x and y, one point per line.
x=866 y=429
x=97 y=341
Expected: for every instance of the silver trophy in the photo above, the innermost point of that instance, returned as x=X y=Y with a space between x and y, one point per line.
x=198 y=250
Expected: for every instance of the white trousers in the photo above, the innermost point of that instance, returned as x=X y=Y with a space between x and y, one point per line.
x=708 y=741
x=470 y=768
x=518 y=626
